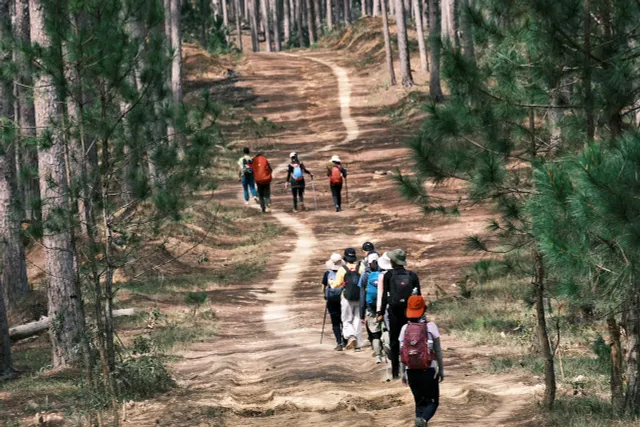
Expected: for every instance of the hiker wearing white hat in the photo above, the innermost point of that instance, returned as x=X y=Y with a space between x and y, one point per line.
x=336 y=173
x=332 y=297
x=295 y=178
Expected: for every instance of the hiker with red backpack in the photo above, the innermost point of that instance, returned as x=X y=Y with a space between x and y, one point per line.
x=398 y=285
x=337 y=174
x=421 y=355
x=245 y=175
x=262 y=174
x=295 y=178
x=347 y=279
x=333 y=297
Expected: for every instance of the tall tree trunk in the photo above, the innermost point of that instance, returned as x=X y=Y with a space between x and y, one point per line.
x=588 y=94
x=312 y=37
x=264 y=17
x=329 y=17
x=286 y=23
x=447 y=14
x=225 y=17
x=420 y=33
x=6 y=363
x=275 y=15
x=299 y=27
x=65 y=302
x=392 y=8
x=347 y=12
x=467 y=31
x=617 y=386
x=434 y=52
x=176 y=72
x=363 y=8
x=14 y=271
x=543 y=336
x=317 y=11
x=253 y=23
x=403 y=45
x=631 y=322
x=238 y=11
x=387 y=43
x=376 y=8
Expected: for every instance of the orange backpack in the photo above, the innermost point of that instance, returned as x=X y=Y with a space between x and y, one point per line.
x=261 y=170
x=336 y=176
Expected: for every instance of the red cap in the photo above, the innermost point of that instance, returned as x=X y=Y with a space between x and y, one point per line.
x=415 y=307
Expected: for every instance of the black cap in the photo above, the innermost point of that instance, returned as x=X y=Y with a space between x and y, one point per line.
x=368 y=247
x=350 y=255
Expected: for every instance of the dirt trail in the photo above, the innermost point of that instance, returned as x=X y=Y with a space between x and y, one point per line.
x=267 y=368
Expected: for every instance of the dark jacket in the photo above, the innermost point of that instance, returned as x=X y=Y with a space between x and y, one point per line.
x=415 y=283
x=293 y=182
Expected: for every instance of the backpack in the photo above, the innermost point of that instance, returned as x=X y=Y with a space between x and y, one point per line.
x=333 y=294
x=372 y=287
x=351 y=288
x=247 y=167
x=297 y=173
x=400 y=287
x=261 y=170
x=336 y=176
x=415 y=353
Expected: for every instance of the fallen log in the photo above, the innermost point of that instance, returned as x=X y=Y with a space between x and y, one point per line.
x=33 y=328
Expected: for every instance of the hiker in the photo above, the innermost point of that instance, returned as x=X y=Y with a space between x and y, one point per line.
x=262 y=175
x=368 y=249
x=421 y=359
x=398 y=285
x=295 y=178
x=245 y=176
x=336 y=173
x=332 y=297
x=347 y=279
x=368 y=298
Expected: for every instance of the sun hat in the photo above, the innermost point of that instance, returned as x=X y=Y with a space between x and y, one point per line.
x=368 y=247
x=398 y=257
x=293 y=154
x=335 y=159
x=415 y=307
x=372 y=257
x=350 y=255
x=334 y=263
x=384 y=263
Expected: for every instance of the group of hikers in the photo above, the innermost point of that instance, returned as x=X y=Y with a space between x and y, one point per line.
x=379 y=292
x=256 y=171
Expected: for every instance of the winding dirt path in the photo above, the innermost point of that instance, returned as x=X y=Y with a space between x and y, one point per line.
x=267 y=367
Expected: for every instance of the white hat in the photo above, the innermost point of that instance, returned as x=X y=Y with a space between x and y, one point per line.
x=335 y=159
x=293 y=154
x=372 y=257
x=384 y=262
x=335 y=262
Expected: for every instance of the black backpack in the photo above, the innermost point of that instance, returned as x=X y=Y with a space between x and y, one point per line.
x=400 y=287
x=247 y=167
x=351 y=279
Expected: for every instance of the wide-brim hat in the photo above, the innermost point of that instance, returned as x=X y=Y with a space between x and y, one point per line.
x=384 y=263
x=415 y=307
x=335 y=159
x=293 y=154
x=350 y=255
x=335 y=262
x=398 y=257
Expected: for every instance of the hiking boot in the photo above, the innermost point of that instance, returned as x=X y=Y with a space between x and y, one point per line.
x=255 y=198
x=421 y=422
x=356 y=350
x=351 y=343
x=268 y=209
x=295 y=211
x=338 y=347
x=246 y=203
x=379 y=360
x=302 y=208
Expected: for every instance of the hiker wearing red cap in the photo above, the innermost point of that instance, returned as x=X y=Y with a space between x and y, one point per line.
x=421 y=355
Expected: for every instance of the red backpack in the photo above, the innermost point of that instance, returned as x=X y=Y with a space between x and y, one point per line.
x=261 y=170
x=336 y=176
x=416 y=353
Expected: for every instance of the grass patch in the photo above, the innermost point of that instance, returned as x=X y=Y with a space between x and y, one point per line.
x=584 y=412
x=406 y=108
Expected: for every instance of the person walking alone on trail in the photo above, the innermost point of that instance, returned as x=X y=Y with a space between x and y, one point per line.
x=262 y=174
x=295 y=178
x=336 y=173
x=368 y=298
x=333 y=297
x=421 y=360
x=245 y=176
x=398 y=285
x=347 y=278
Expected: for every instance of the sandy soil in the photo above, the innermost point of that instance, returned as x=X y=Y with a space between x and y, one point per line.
x=267 y=367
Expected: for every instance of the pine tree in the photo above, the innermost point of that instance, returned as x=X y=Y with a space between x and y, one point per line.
x=435 y=91
x=387 y=43
x=403 y=45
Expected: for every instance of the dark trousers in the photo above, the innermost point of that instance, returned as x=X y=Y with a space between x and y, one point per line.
x=335 y=312
x=264 y=194
x=426 y=391
x=336 y=193
x=397 y=319
x=298 y=193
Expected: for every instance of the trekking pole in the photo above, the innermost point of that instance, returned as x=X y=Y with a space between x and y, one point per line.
x=315 y=200
x=346 y=187
x=323 y=323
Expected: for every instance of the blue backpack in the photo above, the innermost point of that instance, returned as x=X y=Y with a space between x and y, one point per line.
x=372 y=287
x=297 y=173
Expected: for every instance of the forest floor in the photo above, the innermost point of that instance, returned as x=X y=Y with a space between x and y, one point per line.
x=265 y=365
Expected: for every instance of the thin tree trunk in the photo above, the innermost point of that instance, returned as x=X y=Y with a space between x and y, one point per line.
x=264 y=17
x=286 y=23
x=176 y=73
x=420 y=33
x=329 y=17
x=631 y=322
x=6 y=363
x=387 y=43
x=363 y=8
x=403 y=45
x=225 y=16
x=238 y=25
x=312 y=38
x=392 y=8
x=447 y=20
x=299 y=22
x=467 y=31
x=347 y=12
x=253 y=23
x=543 y=336
x=275 y=15
x=376 y=8
x=317 y=11
x=434 y=52
x=588 y=95
x=65 y=302
x=617 y=385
